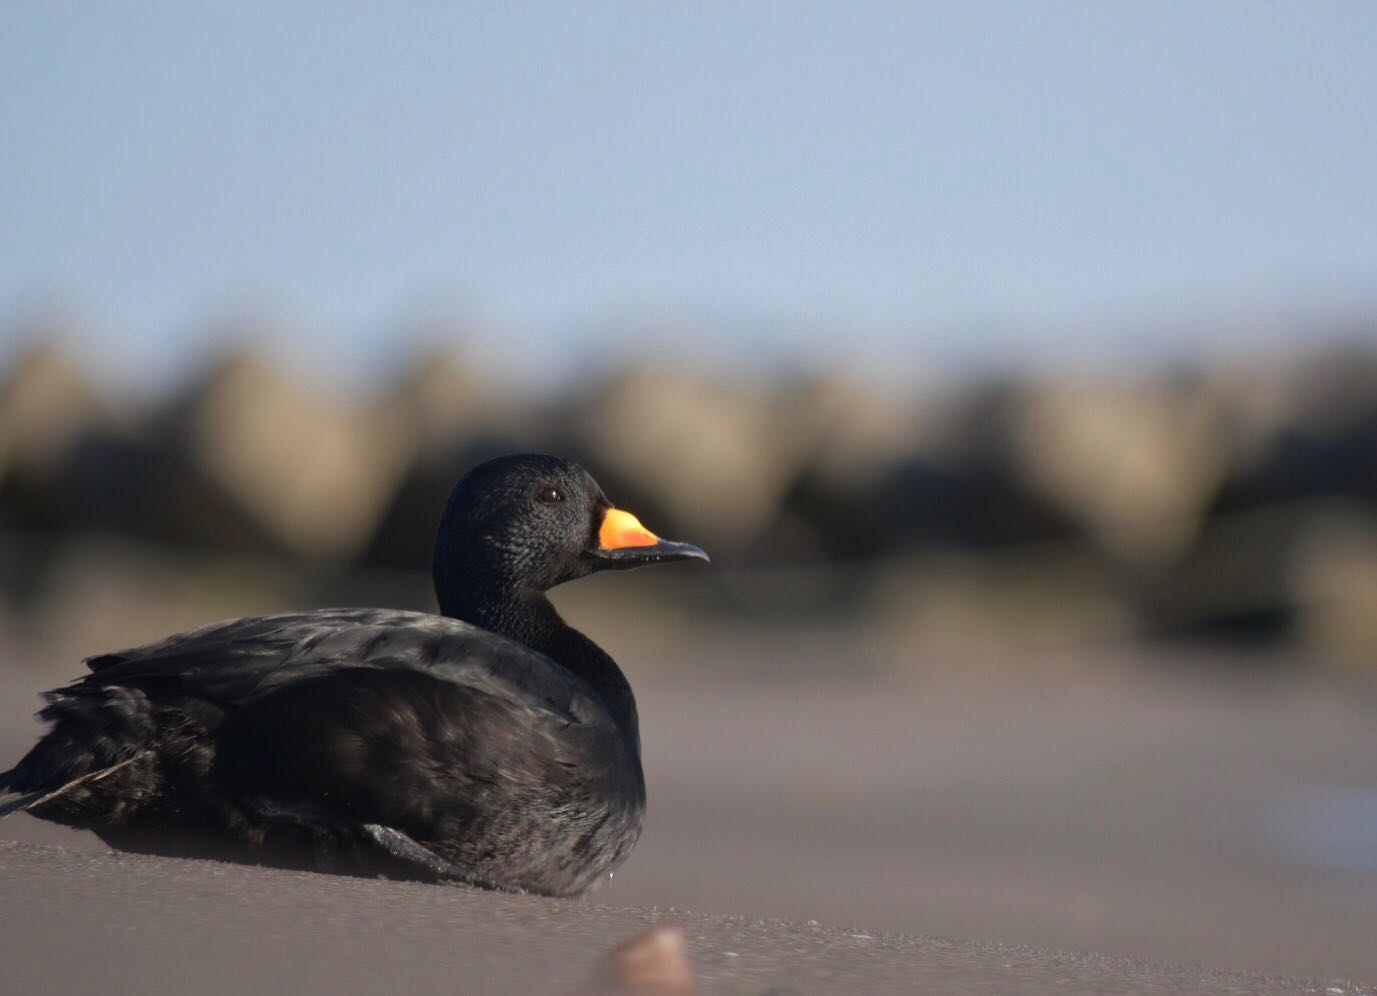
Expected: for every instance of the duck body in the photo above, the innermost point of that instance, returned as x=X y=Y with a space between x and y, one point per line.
x=283 y=730
x=365 y=740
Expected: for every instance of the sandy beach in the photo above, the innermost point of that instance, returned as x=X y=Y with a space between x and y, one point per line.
x=129 y=924
x=1203 y=817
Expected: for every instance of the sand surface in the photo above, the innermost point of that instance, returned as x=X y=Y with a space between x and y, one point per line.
x=86 y=921
x=1191 y=817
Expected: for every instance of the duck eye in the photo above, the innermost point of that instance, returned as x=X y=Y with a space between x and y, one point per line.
x=550 y=496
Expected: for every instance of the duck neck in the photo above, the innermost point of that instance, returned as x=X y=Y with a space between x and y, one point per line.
x=528 y=617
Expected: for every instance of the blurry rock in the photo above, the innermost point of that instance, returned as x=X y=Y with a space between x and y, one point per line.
x=1333 y=390
x=1136 y=464
x=113 y=480
x=710 y=455
x=1319 y=435
x=312 y=473
x=47 y=408
x=1253 y=405
x=1334 y=584
x=847 y=437
x=965 y=491
x=46 y=403
x=451 y=418
x=654 y=962
x=976 y=504
x=443 y=403
x=933 y=475
x=1232 y=585
x=849 y=432
x=925 y=504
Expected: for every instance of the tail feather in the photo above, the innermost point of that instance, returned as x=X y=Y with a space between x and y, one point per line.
x=31 y=800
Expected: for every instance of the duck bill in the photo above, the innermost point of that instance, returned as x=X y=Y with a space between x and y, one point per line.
x=623 y=542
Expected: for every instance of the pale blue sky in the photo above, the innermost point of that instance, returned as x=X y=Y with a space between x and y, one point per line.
x=947 y=183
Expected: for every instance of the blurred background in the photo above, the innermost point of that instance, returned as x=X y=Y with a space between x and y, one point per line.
x=1016 y=363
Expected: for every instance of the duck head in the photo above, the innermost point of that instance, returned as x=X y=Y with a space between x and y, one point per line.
x=529 y=522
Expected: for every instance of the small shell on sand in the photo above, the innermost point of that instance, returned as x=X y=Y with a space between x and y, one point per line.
x=654 y=962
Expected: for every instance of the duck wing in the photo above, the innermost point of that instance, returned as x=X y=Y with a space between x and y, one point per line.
x=237 y=661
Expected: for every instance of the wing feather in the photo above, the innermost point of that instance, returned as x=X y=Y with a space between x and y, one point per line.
x=238 y=661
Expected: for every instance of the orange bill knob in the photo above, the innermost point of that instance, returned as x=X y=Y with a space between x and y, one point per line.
x=622 y=529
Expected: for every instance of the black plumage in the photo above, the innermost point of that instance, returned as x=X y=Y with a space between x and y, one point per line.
x=492 y=743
